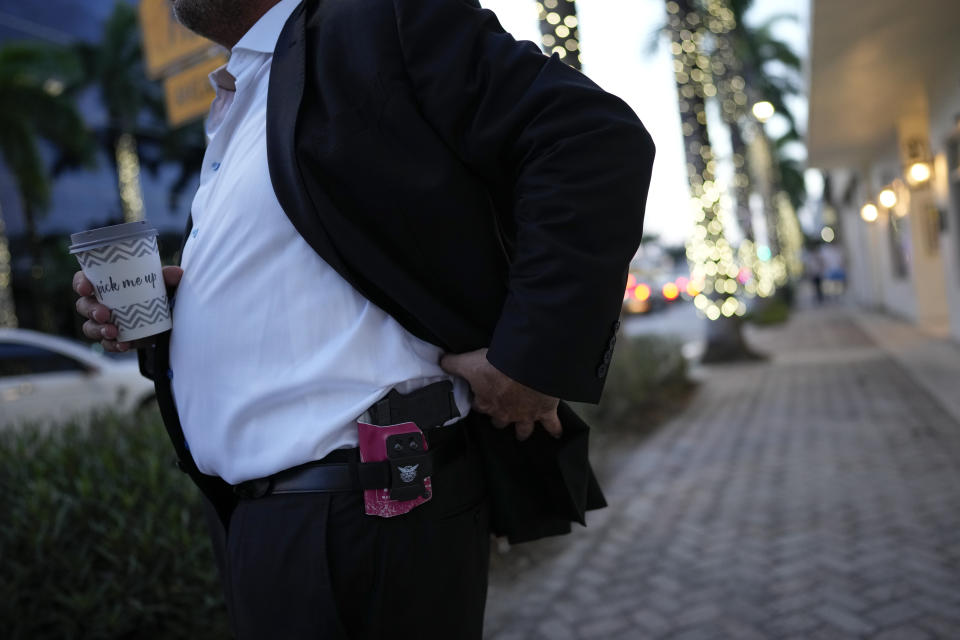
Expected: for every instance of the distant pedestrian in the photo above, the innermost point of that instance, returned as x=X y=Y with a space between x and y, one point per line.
x=834 y=271
x=813 y=268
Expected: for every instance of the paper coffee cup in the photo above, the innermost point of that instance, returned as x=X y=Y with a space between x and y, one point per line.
x=123 y=264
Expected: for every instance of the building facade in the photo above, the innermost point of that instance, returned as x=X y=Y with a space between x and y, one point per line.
x=884 y=126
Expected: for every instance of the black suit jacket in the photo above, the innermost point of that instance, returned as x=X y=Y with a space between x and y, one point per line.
x=481 y=193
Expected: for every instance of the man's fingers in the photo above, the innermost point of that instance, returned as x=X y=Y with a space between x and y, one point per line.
x=81 y=285
x=172 y=276
x=467 y=365
x=524 y=429
x=552 y=424
x=98 y=326
x=114 y=346
x=89 y=308
x=453 y=363
x=92 y=330
x=97 y=331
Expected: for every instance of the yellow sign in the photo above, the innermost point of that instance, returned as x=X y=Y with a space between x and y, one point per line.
x=189 y=93
x=165 y=41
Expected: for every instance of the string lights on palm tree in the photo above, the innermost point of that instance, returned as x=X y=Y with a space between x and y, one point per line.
x=559 y=30
x=733 y=102
x=713 y=266
x=8 y=313
x=115 y=67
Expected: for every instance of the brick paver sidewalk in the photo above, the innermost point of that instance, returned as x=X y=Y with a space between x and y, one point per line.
x=816 y=495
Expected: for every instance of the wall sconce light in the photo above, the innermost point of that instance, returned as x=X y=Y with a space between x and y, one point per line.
x=919 y=172
x=888 y=198
x=763 y=111
x=869 y=212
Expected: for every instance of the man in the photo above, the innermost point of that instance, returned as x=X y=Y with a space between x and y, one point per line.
x=403 y=213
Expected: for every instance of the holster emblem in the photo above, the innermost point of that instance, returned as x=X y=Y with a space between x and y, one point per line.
x=408 y=474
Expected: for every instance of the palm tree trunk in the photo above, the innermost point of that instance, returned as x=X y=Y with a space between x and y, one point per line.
x=741 y=186
x=558 y=29
x=36 y=264
x=767 y=179
x=128 y=177
x=712 y=262
x=8 y=313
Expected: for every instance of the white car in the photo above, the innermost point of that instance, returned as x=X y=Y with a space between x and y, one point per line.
x=48 y=379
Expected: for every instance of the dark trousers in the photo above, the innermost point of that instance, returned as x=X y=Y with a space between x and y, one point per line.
x=316 y=566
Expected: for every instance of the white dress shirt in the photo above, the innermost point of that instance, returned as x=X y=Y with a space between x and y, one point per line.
x=273 y=355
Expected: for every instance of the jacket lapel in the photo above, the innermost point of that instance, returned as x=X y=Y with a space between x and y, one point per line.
x=284 y=97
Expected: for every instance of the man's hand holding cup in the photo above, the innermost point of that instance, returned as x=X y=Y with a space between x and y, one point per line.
x=122 y=286
x=98 y=325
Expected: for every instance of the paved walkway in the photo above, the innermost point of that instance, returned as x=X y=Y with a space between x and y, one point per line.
x=816 y=495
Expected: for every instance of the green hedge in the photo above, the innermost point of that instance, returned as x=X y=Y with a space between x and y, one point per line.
x=101 y=537
x=769 y=312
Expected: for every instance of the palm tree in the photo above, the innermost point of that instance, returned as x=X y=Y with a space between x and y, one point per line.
x=747 y=78
x=133 y=103
x=695 y=27
x=32 y=107
x=559 y=30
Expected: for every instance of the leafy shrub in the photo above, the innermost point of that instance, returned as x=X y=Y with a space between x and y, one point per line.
x=648 y=373
x=771 y=311
x=102 y=537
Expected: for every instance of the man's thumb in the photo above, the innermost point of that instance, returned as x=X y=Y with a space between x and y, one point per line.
x=172 y=276
x=452 y=363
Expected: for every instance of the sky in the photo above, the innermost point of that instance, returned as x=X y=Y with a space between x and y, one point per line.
x=615 y=41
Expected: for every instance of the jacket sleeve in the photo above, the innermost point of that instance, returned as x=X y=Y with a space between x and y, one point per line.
x=576 y=164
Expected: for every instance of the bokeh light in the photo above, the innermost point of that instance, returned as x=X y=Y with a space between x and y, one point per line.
x=919 y=172
x=887 y=198
x=763 y=111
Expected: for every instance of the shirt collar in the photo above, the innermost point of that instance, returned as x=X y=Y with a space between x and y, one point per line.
x=262 y=36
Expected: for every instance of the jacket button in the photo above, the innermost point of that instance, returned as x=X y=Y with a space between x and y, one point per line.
x=602 y=370
x=607 y=357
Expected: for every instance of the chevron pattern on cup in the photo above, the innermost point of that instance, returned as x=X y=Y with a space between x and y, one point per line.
x=142 y=313
x=116 y=252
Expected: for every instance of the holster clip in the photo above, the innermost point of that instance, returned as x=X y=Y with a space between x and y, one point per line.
x=409 y=465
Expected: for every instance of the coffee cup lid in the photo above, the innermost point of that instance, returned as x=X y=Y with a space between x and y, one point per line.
x=86 y=240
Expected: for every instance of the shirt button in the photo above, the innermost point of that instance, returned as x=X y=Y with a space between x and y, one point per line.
x=170 y=374
x=216 y=166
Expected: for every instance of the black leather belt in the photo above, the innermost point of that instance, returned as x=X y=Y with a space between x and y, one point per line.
x=342 y=470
